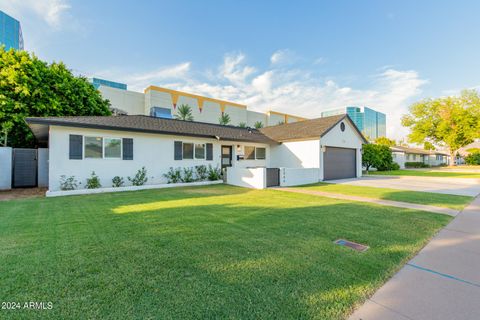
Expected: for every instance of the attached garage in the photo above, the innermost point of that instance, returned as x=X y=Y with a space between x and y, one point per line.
x=339 y=163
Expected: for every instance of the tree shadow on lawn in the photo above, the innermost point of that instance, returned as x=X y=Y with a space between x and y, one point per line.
x=267 y=255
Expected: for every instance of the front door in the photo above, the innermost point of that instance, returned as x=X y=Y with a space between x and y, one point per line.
x=226 y=156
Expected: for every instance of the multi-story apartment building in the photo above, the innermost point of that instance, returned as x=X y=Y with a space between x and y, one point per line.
x=164 y=103
x=10 y=32
x=370 y=122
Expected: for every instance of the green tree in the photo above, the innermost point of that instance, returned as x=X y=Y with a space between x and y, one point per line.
x=384 y=141
x=184 y=112
x=224 y=119
x=280 y=122
x=30 y=87
x=242 y=125
x=428 y=146
x=473 y=158
x=450 y=121
x=377 y=156
x=258 y=125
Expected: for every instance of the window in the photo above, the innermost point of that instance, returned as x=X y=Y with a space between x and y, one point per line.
x=249 y=153
x=93 y=147
x=159 y=112
x=113 y=148
x=187 y=150
x=260 y=153
x=199 y=151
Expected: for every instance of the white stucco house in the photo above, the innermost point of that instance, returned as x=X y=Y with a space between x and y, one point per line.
x=402 y=155
x=289 y=154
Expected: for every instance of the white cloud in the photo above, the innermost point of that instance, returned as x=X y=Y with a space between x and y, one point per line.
x=283 y=56
x=53 y=12
x=233 y=69
x=291 y=90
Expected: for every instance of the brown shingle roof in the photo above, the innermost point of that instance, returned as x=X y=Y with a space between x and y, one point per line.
x=314 y=128
x=139 y=123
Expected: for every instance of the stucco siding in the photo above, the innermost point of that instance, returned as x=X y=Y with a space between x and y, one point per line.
x=154 y=151
x=343 y=139
x=129 y=101
x=296 y=154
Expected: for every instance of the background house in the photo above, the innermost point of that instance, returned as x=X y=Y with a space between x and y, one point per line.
x=401 y=155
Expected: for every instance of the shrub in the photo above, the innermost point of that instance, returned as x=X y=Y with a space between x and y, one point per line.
x=173 y=175
x=473 y=158
x=117 y=182
x=187 y=175
x=214 y=173
x=201 y=172
x=394 y=166
x=140 y=177
x=416 y=165
x=69 y=183
x=93 y=182
x=377 y=156
x=258 y=125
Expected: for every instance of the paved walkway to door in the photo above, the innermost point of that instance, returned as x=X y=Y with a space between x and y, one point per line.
x=442 y=282
x=451 y=212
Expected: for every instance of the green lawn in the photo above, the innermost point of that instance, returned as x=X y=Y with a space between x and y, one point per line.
x=427 y=198
x=426 y=173
x=201 y=252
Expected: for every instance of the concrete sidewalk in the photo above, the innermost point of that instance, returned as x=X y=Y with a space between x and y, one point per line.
x=451 y=212
x=441 y=282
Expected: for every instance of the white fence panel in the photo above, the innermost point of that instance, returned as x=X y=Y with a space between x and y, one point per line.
x=247 y=177
x=298 y=176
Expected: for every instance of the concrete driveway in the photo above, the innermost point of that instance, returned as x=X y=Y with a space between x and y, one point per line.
x=457 y=186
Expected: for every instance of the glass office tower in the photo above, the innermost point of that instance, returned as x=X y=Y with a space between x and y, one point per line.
x=97 y=82
x=370 y=122
x=10 y=32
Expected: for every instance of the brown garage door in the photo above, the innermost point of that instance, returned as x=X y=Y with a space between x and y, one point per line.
x=339 y=163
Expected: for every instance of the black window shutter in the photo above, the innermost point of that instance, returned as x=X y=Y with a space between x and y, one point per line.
x=178 y=150
x=209 y=151
x=76 y=147
x=127 y=149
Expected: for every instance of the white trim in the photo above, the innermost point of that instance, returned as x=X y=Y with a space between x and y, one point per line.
x=204 y=151
x=85 y=147
x=121 y=149
x=129 y=188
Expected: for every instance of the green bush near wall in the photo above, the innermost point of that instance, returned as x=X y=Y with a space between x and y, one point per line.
x=416 y=165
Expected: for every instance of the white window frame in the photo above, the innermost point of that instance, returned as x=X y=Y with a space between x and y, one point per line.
x=103 y=148
x=256 y=158
x=85 y=147
x=195 y=151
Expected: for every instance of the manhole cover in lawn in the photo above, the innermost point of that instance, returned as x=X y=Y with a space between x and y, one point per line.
x=350 y=244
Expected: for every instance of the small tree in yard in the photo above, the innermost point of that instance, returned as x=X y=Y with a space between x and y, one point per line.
x=140 y=177
x=377 y=156
x=450 y=121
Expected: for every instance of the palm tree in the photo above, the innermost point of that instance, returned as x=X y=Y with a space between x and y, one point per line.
x=242 y=125
x=258 y=125
x=184 y=113
x=224 y=119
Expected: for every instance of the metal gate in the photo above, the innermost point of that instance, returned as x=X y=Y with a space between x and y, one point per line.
x=24 y=168
x=273 y=177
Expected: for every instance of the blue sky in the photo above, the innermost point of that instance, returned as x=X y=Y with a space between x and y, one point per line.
x=300 y=57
